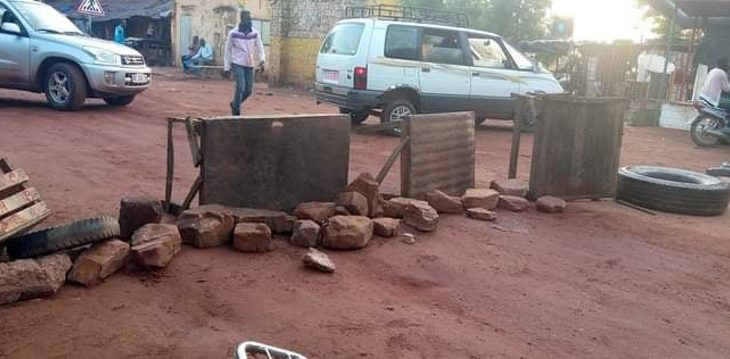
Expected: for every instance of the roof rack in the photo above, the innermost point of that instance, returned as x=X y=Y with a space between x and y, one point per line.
x=410 y=14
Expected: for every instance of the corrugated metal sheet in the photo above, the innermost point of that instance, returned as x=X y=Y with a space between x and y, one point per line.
x=118 y=9
x=440 y=155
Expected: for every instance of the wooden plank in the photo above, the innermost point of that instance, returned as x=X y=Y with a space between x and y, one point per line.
x=12 y=179
x=23 y=220
x=193 y=140
x=193 y=191
x=18 y=200
x=391 y=160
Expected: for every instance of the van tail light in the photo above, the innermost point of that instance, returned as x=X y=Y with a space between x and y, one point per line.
x=361 y=78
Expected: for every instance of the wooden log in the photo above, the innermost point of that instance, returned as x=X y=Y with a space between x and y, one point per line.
x=193 y=141
x=193 y=191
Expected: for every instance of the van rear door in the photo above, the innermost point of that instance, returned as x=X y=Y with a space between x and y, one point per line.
x=340 y=54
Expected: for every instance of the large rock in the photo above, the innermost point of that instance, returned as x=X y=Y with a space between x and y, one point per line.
x=396 y=207
x=206 y=229
x=315 y=211
x=136 y=212
x=513 y=203
x=347 y=232
x=367 y=186
x=154 y=245
x=480 y=198
x=443 y=203
x=355 y=203
x=386 y=227
x=421 y=216
x=98 y=262
x=510 y=187
x=318 y=261
x=307 y=233
x=550 y=204
x=30 y=278
x=278 y=221
x=252 y=238
x=481 y=214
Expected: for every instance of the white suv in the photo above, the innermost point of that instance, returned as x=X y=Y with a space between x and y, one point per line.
x=404 y=68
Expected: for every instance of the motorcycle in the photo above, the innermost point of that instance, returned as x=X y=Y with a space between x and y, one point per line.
x=707 y=128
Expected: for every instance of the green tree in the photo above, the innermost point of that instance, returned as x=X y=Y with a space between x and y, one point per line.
x=662 y=24
x=516 y=20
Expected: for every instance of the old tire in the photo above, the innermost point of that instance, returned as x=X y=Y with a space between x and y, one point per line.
x=394 y=112
x=119 y=100
x=68 y=236
x=65 y=87
x=673 y=190
x=699 y=128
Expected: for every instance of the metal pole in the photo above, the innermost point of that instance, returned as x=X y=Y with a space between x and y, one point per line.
x=91 y=32
x=670 y=42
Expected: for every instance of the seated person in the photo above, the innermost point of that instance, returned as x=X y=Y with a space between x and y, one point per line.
x=717 y=87
x=202 y=58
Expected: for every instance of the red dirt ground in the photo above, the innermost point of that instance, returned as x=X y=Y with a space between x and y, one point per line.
x=600 y=281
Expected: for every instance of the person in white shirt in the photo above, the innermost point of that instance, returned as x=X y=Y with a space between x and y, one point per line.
x=716 y=87
x=204 y=55
x=241 y=45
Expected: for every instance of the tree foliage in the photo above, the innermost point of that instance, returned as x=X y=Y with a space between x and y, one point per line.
x=516 y=20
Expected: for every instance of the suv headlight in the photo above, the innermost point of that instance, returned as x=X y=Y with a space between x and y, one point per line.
x=103 y=56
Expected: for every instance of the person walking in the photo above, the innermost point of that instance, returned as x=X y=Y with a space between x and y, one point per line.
x=241 y=44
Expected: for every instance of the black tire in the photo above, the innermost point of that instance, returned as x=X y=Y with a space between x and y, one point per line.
x=673 y=190
x=390 y=115
x=697 y=136
x=356 y=118
x=76 y=87
x=68 y=236
x=479 y=120
x=119 y=100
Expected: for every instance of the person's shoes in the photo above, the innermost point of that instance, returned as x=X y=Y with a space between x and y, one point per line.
x=234 y=112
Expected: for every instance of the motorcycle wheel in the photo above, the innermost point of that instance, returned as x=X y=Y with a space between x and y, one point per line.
x=699 y=129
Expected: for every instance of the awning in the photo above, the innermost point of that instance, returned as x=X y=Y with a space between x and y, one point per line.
x=116 y=9
x=705 y=8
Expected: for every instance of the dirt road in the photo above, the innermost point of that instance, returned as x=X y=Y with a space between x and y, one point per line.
x=600 y=281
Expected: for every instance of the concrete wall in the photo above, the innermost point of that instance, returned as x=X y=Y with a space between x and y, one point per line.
x=211 y=20
x=298 y=28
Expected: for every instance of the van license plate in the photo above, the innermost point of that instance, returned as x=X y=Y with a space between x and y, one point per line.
x=331 y=76
x=139 y=78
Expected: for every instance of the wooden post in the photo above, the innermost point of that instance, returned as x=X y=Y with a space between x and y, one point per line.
x=391 y=160
x=170 y=165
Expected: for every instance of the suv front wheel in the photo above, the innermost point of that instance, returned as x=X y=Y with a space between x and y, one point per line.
x=65 y=87
x=119 y=100
x=394 y=112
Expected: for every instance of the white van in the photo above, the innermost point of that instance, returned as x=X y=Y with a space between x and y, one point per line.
x=402 y=68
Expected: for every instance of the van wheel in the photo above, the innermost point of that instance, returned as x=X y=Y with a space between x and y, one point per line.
x=356 y=118
x=394 y=113
x=65 y=87
x=119 y=100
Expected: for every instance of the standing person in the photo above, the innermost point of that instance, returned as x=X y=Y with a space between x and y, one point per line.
x=241 y=44
x=119 y=32
x=192 y=50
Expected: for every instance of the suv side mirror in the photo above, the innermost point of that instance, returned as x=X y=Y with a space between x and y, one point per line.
x=10 y=28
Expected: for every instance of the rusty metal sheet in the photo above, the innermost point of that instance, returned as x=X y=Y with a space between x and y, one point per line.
x=577 y=147
x=441 y=154
x=274 y=162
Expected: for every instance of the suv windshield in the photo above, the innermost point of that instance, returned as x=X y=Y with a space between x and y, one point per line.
x=523 y=63
x=45 y=18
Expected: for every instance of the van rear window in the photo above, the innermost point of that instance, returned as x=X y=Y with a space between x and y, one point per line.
x=344 y=39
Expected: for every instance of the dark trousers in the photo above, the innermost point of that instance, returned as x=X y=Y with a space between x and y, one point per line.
x=244 y=87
